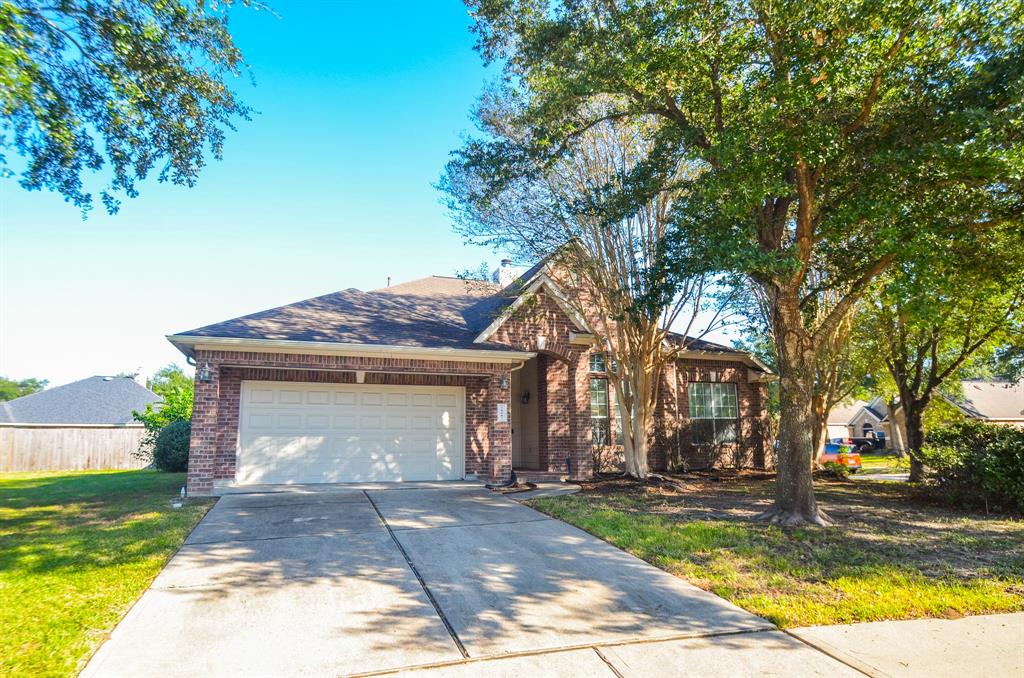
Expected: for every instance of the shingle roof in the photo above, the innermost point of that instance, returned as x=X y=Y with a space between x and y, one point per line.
x=844 y=412
x=431 y=312
x=95 y=400
x=992 y=399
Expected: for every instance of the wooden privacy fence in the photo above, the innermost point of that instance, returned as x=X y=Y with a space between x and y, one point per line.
x=68 y=447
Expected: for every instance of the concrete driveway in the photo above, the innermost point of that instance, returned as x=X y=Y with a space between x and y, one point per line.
x=443 y=578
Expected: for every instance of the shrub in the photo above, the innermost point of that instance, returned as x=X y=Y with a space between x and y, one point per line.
x=836 y=470
x=975 y=460
x=170 y=453
x=177 y=394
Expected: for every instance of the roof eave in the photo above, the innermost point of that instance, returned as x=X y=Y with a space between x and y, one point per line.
x=740 y=356
x=188 y=344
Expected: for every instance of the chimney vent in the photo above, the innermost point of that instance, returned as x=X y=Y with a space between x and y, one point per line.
x=506 y=274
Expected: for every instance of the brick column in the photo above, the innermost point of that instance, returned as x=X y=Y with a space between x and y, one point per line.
x=582 y=451
x=203 y=446
x=500 y=433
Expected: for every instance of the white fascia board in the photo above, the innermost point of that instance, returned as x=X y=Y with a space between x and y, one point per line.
x=188 y=344
x=540 y=280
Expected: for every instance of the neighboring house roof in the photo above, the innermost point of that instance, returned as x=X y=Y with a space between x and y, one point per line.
x=843 y=414
x=436 y=312
x=993 y=400
x=95 y=400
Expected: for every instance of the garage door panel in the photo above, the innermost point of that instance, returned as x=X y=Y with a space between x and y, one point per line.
x=309 y=433
x=371 y=398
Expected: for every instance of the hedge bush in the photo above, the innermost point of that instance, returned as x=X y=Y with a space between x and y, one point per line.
x=979 y=461
x=170 y=453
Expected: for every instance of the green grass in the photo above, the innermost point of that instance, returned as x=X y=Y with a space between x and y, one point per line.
x=877 y=462
x=76 y=551
x=864 y=570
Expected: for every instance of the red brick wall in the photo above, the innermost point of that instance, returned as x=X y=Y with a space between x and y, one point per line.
x=750 y=451
x=563 y=400
x=488 y=445
x=563 y=386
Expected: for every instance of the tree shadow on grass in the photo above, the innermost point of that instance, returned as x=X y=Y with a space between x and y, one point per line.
x=49 y=523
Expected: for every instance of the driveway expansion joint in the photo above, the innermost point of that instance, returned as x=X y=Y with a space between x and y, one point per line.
x=607 y=662
x=827 y=649
x=315 y=535
x=448 y=527
x=419 y=578
x=768 y=628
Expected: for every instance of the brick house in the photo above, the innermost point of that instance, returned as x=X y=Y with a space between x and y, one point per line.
x=443 y=379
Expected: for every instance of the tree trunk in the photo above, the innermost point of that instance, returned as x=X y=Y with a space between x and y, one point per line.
x=820 y=439
x=636 y=432
x=794 y=490
x=913 y=411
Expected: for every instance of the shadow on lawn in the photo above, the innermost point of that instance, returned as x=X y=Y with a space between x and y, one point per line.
x=879 y=527
x=54 y=522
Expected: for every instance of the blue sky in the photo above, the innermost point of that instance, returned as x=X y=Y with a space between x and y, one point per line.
x=329 y=187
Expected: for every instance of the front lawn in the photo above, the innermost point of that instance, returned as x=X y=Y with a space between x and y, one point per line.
x=888 y=557
x=76 y=550
x=882 y=462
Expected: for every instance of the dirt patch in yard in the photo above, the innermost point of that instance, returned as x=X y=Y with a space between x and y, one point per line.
x=888 y=522
x=890 y=554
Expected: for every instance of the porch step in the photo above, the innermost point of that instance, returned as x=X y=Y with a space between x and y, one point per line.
x=528 y=476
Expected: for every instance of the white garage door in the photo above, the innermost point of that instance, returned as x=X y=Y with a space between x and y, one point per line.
x=335 y=433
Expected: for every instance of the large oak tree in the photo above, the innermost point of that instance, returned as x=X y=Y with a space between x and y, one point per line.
x=134 y=86
x=812 y=126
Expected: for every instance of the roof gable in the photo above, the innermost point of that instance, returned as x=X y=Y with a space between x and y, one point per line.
x=540 y=282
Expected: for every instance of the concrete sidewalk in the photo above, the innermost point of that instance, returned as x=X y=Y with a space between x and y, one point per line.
x=984 y=646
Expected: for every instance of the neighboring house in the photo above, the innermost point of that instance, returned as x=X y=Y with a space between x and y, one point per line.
x=995 y=402
x=437 y=379
x=86 y=424
x=859 y=419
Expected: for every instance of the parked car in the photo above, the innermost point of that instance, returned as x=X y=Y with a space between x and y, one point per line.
x=868 y=444
x=862 y=444
x=842 y=454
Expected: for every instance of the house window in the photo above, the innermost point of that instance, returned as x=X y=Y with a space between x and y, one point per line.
x=714 y=413
x=599 y=412
x=599 y=363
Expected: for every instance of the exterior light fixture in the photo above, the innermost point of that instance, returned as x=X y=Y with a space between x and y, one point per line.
x=503 y=382
x=526 y=398
x=542 y=342
x=204 y=373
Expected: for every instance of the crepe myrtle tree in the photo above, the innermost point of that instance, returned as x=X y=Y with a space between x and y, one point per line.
x=134 y=86
x=614 y=259
x=811 y=126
